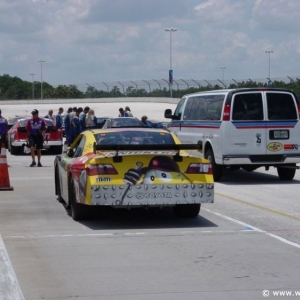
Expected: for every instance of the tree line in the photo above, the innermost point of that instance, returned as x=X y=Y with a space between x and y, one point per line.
x=13 y=88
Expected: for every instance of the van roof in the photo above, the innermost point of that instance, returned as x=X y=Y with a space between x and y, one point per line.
x=226 y=91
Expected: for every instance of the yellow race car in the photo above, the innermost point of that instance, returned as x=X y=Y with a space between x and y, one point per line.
x=132 y=167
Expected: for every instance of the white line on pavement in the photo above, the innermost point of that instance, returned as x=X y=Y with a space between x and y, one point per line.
x=9 y=285
x=254 y=228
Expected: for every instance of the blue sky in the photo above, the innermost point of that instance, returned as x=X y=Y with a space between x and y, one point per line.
x=90 y=41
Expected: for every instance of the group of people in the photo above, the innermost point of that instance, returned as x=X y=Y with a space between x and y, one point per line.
x=77 y=120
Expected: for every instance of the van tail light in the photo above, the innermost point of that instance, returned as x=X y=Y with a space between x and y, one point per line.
x=199 y=169
x=102 y=169
x=226 y=113
x=298 y=110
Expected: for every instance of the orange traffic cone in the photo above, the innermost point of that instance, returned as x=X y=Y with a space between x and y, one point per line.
x=4 y=177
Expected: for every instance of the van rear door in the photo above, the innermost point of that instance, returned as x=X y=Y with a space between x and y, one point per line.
x=248 y=130
x=283 y=128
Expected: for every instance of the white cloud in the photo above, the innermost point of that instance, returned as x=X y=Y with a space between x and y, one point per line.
x=100 y=40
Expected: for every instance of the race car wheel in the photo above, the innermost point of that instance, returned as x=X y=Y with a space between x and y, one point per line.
x=187 y=210
x=57 y=149
x=286 y=173
x=217 y=169
x=78 y=211
x=15 y=150
x=57 y=186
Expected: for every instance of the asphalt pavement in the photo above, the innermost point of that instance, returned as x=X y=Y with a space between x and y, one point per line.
x=246 y=245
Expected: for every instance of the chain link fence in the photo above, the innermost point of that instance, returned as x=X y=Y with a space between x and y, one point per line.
x=182 y=84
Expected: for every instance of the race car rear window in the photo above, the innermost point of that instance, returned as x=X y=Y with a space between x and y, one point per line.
x=134 y=137
x=281 y=106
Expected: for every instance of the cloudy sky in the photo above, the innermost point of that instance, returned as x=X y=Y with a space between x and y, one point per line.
x=90 y=41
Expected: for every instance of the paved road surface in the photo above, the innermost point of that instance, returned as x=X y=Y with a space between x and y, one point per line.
x=246 y=242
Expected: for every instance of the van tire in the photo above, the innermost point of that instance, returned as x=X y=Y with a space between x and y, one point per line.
x=187 y=210
x=217 y=169
x=286 y=173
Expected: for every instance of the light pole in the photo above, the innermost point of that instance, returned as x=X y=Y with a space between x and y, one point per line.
x=171 y=70
x=223 y=68
x=32 y=74
x=41 y=61
x=269 y=52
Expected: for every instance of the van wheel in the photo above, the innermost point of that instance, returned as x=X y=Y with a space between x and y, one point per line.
x=217 y=169
x=286 y=173
x=187 y=210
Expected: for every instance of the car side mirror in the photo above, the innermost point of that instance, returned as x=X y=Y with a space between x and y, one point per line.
x=168 y=113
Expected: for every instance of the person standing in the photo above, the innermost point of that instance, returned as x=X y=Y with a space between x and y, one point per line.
x=122 y=112
x=91 y=120
x=82 y=117
x=127 y=109
x=67 y=125
x=36 y=127
x=3 y=129
x=50 y=115
x=75 y=127
x=58 y=118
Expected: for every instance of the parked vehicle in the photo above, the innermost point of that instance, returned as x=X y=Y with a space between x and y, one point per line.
x=127 y=168
x=17 y=137
x=121 y=122
x=242 y=128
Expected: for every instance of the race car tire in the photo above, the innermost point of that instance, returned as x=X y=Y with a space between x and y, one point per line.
x=57 y=186
x=57 y=149
x=187 y=210
x=78 y=211
x=286 y=173
x=217 y=169
x=15 y=150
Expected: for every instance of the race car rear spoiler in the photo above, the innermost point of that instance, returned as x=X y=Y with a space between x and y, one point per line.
x=151 y=147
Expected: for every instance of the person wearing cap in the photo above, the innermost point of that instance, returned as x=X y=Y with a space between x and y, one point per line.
x=36 y=126
x=3 y=129
x=67 y=125
x=145 y=121
x=82 y=118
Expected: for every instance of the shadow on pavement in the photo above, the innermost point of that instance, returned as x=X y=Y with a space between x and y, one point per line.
x=106 y=218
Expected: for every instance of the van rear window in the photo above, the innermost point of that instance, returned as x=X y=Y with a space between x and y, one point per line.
x=248 y=107
x=281 y=106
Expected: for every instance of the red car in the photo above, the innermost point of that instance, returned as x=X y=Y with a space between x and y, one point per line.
x=17 y=137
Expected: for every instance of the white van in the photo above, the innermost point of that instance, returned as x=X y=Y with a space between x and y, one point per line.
x=242 y=128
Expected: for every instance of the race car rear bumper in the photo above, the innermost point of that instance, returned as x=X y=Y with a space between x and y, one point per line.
x=152 y=195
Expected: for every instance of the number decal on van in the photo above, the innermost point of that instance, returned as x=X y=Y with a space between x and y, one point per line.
x=274 y=146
